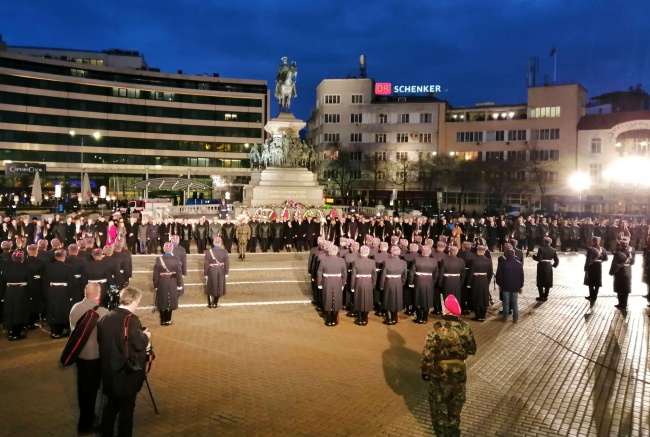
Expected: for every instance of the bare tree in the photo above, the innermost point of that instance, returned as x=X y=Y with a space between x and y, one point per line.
x=376 y=166
x=343 y=169
x=540 y=168
x=404 y=172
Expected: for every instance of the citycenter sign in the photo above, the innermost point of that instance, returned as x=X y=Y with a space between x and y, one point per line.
x=23 y=169
x=386 y=88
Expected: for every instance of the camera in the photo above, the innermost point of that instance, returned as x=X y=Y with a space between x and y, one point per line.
x=131 y=366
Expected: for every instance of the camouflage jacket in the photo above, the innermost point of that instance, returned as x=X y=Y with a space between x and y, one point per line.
x=448 y=339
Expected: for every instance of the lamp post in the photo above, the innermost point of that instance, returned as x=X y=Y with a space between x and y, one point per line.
x=97 y=136
x=579 y=182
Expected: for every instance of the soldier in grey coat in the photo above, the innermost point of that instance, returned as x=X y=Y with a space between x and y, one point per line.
x=479 y=277
x=362 y=285
x=216 y=266
x=423 y=277
x=331 y=275
x=393 y=278
x=168 y=283
x=547 y=260
x=452 y=274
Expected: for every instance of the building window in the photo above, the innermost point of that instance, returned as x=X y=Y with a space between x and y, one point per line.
x=230 y=117
x=121 y=92
x=596 y=172
x=469 y=137
x=355 y=118
x=517 y=135
x=596 y=145
x=330 y=174
x=493 y=156
x=544 y=155
x=355 y=156
x=381 y=156
x=402 y=156
x=404 y=118
x=402 y=138
x=381 y=175
x=357 y=99
x=332 y=118
x=355 y=137
x=425 y=137
x=380 y=138
x=640 y=146
x=383 y=118
x=331 y=137
x=400 y=175
x=355 y=174
x=332 y=99
x=472 y=198
x=545 y=134
x=545 y=112
x=426 y=117
x=467 y=156
x=516 y=155
x=493 y=135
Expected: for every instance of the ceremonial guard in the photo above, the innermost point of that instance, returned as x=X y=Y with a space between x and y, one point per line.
x=480 y=275
x=379 y=258
x=391 y=282
x=621 y=270
x=227 y=235
x=186 y=235
x=467 y=256
x=348 y=298
x=532 y=234
x=439 y=255
x=34 y=285
x=127 y=262
x=243 y=234
x=167 y=283
x=452 y=274
x=362 y=284
x=77 y=264
x=216 y=267
x=409 y=257
x=331 y=276
x=200 y=235
x=553 y=233
x=449 y=342
x=594 y=268
x=318 y=259
x=520 y=232
x=98 y=272
x=547 y=260
x=179 y=253
x=58 y=280
x=14 y=279
x=423 y=277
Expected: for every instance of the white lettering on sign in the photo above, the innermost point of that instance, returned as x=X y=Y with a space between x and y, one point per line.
x=417 y=89
x=15 y=169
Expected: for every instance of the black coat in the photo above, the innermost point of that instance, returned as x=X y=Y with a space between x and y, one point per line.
x=16 y=308
x=510 y=275
x=545 y=256
x=59 y=298
x=479 y=277
x=168 y=282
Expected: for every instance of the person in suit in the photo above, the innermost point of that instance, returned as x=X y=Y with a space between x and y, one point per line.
x=510 y=279
x=122 y=362
x=88 y=366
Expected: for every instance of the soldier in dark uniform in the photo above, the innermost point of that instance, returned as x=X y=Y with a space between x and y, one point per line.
x=318 y=259
x=264 y=234
x=227 y=235
x=348 y=297
x=439 y=255
x=362 y=284
x=200 y=235
x=565 y=236
x=594 y=268
x=379 y=258
x=480 y=275
x=126 y=264
x=409 y=257
x=542 y=230
x=90 y=243
x=58 y=282
x=35 y=286
x=179 y=253
x=391 y=282
x=43 y=254
x=214 y=230
x=313 y=232
x=164 y=229
x=621 y=270
x=423 y=277
x=216 y=266
x=545 y=256
x=98 y=272
x=6 y=250
x=186 y=235
x=331 y=277
x=467 y=256
x=449 y=342
x=452 y=274
x=77 y=264
x=167 y=283
x=115 y=268
x=14 y=292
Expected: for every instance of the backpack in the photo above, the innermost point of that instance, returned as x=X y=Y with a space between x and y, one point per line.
x=79 y=336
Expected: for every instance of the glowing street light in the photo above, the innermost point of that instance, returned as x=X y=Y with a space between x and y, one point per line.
x=580 y=181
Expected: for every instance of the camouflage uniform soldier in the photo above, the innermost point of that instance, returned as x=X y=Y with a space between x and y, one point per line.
x=448 y=344
x=243 y=234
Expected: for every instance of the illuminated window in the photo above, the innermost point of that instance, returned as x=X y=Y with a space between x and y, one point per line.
x=544 y=112
x=230 y=117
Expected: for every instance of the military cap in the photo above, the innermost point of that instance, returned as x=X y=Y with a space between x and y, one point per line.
x=354 y=245
x=453 y=249
x=168 y=247
x=333 y=250
x=97 y=252
x=60 y=253
x=395 y=250
x=547 y=240
x=394 y=240
x=441 y=244
x=481 y=248
x=467 y=244
x=417 y=238
x=108 y=250
x=413 y=247
x=364 y=250
x=383 y=245
x=42 y=243
x=55 y=243
x=513 y=242
x=18 y=256
x=343 y=242
x=442 y=238
x=32 y=248
x=89 y=241
x=596 y=238
x=403 y=242
x=175 y=239
x=73 y=248
x=376 y=241
x=82 y=244
x=428 y=242
x=426 y=250
x=451 y=303
x=7 y=244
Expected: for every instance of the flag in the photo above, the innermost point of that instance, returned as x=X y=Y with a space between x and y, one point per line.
x=550 y=55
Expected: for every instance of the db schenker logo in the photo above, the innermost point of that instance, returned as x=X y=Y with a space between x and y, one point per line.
x=383 y=88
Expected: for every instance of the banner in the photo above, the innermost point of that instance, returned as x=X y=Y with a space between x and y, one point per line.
x=23 y=169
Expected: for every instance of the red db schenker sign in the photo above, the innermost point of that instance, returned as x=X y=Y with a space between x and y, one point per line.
x=383 y=88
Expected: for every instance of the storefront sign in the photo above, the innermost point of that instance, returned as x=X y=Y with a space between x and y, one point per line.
x=386 y=88
x=23 y=169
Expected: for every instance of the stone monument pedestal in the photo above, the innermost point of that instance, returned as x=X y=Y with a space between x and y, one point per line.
x=275 y=185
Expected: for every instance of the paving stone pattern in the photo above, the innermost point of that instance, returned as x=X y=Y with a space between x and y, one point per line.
x=276 y=370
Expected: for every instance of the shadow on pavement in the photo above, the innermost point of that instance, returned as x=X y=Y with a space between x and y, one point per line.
x=402 y=374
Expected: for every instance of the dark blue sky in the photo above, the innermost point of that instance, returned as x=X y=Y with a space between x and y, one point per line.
x=477 y=50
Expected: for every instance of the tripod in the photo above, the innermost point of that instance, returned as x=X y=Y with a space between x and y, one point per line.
x=155 y=409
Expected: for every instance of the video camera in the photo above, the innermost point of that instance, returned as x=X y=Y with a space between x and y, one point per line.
x=113 y=297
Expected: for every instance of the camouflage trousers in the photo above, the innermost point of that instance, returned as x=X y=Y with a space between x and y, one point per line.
x=446 y=398
x=241 y=247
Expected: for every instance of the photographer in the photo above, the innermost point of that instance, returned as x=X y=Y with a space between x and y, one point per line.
x=123 y=359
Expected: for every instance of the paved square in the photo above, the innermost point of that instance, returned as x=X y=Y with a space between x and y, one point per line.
x=264 y=364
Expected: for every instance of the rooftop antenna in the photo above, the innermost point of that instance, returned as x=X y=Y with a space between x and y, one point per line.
x=362 y=67
x=533 y=68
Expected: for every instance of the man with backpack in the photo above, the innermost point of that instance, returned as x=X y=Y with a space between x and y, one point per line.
x=88 y=365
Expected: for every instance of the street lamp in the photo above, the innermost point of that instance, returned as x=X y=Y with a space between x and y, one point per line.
x=97 y=136
x=579 y=181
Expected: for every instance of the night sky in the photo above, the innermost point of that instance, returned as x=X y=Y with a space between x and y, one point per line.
x=477 y=50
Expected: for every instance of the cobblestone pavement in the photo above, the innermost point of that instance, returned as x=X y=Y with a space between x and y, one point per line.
x=264 y=364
